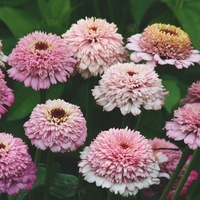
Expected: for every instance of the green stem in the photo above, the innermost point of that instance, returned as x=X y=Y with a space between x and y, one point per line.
x=139 y=120
x=186 y=173
x=49 y=168
x=37 y=156
x=182 y=161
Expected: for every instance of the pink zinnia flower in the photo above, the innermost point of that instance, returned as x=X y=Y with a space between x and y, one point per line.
x=41 y=59
x=57 y=125
x=163 y=44
x=17 y=171
x=185 y=125
x=168 y=156
x=3 y=58
x=129 y=86
x=193 y=94
x=96 y=45
x=6 y=95
x=121 y=160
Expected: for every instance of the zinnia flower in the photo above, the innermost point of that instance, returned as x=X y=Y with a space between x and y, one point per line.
x=3 y=58
x=121 y=160
x=129 y=86
x=96 y=45
x=163 y=44
x=193 y=94
x=41 y=59
x=17 y=171
x=185 y=125
x=6 y=95
x=57 y=125
x=165 y=148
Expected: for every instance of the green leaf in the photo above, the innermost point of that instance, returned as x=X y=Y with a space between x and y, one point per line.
x=55 y=13
x=187 y=13
x=20 y=196
x=170 y=84
x=138 y=9
x=41 y=173
x=19 y=22
x=64 y=185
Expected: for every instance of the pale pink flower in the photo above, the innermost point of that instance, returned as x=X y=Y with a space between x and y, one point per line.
x=57 y=125
x=96 y=45
x=121 y=160
x=185 y=125
x=41 y=59
x=17 y=171
x=129 y=86
x=163 y=44
x=193 y=94
x=168 y=155
x=3 y=58
x=6 y=95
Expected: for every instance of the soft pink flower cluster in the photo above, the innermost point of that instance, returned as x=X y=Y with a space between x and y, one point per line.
x=121 y=160
x=57 y=125
x=41 y=59
x=168 y=155
x=6 y=95
x=96 y=45
x=17 y=171
x=129 y=86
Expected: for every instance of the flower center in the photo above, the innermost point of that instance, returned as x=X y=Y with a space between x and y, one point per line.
x=131 y=73
x=168 y=32
x=124 y=145
x=2 y=146
x=58 y=113
x=41 y=46
x=93 y=28
x=168 y=41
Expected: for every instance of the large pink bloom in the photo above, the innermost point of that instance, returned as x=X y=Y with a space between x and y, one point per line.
x=57 y=125
x=121 y=160
x=17 y=171
x=3 y=58
x=129 y=86
x=193 y=94
x=96 y=45
x=6 y=95
x=41 y=59
x=163 y=148
x=163 y=44
x=185 y=125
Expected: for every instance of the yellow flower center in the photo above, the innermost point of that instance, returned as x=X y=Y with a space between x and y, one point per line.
x=167 y=41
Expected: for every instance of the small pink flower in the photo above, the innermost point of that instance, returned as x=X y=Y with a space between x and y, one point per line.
x=129 y=86
x=163 y=44
x=120 y=160
x=96 y=45
x=17 y=171
x=171 y=154
x=3 y=58
x=41 y=59
x=6 y=95
x=193 y=94
x=185 y=125
x=57 y=125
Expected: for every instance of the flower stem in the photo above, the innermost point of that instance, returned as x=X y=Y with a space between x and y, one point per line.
x=139 y=120
x=50 y=159
x=182 y=161
x=186 y=173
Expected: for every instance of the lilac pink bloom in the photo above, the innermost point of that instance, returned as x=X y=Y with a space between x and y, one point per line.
x=57 y=125
x=185 y=125
x=96 y=45
x=17 y=171
x=163 y=148
x=121 y=160
x=129 y=86
x=163 y=44
x=40 y=59
x=6 y=95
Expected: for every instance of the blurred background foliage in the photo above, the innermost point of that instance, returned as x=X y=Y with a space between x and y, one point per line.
x=21 y=17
